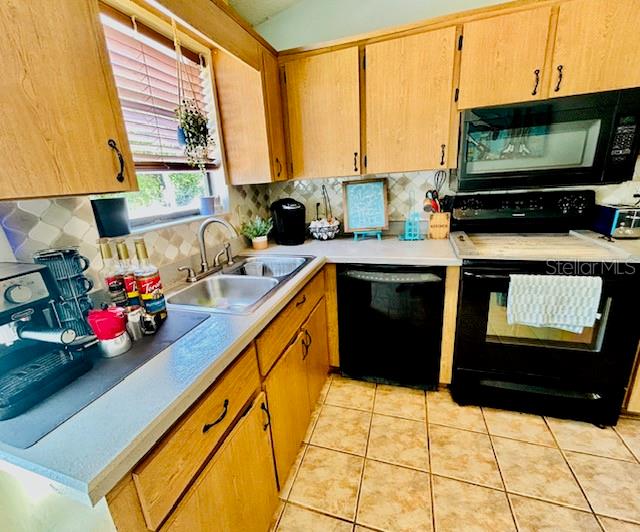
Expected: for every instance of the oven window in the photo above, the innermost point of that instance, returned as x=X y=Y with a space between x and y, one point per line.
x=499 y=330
x=493 y=149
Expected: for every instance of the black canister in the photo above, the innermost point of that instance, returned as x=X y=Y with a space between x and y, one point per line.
x=288 y=221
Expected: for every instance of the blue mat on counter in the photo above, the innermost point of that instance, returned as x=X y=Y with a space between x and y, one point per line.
x=26 y=429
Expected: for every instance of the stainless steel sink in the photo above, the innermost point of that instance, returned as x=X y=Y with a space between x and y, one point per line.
x=225 y=293
x=268 y=266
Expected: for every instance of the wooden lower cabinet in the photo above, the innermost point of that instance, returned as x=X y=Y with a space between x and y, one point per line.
x=317 y=351
x=237 y=489
x=288 y=400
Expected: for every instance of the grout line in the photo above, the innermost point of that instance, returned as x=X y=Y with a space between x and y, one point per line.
x=637 y=458
x=457 y=428
x=573 y=473
x=321 y=512
x=431 y=484
x=364 y=463
x=504 y=484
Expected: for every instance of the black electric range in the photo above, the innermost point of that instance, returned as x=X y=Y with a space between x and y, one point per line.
x=546 y=370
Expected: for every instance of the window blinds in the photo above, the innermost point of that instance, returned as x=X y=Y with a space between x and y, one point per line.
x=147 y=81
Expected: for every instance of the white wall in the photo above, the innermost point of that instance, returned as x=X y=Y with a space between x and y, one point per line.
x=29 y=504
x=315 y=21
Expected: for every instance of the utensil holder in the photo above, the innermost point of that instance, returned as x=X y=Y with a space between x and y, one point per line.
x=439 y=225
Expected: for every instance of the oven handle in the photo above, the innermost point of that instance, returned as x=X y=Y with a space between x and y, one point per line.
x=486 y=276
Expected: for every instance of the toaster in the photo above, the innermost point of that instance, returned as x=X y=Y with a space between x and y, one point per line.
x=618 y=221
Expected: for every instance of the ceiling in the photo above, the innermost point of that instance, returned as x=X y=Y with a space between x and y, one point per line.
x=257 y=11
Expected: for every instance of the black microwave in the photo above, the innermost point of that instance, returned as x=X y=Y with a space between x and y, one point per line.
x=590 y=139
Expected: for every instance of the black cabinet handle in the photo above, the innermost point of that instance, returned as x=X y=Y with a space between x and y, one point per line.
x=442 y=147
x=264 y=408
x=309 y=338
x=302 y=301
x=279 y=167
x=559 y=69
x=536 y=72
x=355 y=161
x=306 y=343
x=222 y=416
x=112 y=144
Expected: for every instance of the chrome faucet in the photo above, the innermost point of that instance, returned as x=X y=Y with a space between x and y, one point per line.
x=205 y=268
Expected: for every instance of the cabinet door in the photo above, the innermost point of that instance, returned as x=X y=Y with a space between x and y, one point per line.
x=288 y=400
x=275 y=123
x=323 y=107
x=237 y=489
x=316 y=351
x=242 y=120
x=503 y=59
x=409 y=99
x=596 y=48
x=59 y=103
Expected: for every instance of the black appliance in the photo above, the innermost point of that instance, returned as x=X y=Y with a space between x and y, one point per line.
x=390 y=320
x=288 y=221
x=541 y=370
x=548 y=211
x=35 y=355
x=577 y=140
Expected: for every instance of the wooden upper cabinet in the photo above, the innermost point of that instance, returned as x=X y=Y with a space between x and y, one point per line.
x=409 y=102
x=596 y=48
x=323 y=108
x=275 y=119
x=59 y=103
x=243 y=120
x=503 y=59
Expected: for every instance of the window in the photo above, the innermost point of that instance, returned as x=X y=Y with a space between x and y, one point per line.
x=144 y=64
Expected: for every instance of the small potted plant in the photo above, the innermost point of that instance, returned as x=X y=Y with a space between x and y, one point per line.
x=193 y=132
x=257 y=230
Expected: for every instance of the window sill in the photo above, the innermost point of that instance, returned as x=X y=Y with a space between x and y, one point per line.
x=156 y=226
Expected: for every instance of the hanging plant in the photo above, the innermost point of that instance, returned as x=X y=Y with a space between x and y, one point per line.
x=195 y=130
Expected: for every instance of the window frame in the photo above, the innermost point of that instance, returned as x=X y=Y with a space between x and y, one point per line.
x=147 y=26
x=136 y=223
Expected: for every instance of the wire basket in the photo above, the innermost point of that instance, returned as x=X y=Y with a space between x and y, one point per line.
x=327 y=232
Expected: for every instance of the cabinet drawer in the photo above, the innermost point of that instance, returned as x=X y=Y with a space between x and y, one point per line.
x=272 y=342
x=163 y=475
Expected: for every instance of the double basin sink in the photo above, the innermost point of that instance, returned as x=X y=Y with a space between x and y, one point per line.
x=240 y=288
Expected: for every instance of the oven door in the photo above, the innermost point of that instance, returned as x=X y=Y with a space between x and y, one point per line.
x=542 y=363
x=553 y=143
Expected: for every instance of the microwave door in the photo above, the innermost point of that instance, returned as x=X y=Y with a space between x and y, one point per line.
x=535 y=145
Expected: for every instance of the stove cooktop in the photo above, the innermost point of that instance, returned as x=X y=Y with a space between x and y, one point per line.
x=572 y=245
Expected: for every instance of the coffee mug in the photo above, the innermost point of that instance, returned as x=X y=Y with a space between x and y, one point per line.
x=75 y=286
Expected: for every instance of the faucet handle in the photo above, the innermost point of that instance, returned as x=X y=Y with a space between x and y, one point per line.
x=191 y=274
x=227 y=249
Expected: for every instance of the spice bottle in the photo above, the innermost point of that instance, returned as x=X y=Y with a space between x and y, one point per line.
x=128 y=273
x=149 y=283
x=112 y=274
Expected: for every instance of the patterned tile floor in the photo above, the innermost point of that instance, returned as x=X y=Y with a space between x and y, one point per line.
x=388 y=458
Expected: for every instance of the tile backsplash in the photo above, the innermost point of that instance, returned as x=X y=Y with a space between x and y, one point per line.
x=50 y=223
x=36 y=224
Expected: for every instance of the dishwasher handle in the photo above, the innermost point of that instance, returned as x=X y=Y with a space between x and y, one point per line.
x=491 y=276
x=393 y=278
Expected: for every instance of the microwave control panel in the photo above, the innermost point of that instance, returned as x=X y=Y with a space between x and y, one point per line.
x=623 y=138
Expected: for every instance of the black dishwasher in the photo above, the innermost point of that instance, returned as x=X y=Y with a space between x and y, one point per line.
x=390 y=320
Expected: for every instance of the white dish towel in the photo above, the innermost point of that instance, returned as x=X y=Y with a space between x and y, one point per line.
x=564 y=302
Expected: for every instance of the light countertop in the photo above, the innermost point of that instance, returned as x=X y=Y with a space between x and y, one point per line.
x=88 y=454
x=389 y=250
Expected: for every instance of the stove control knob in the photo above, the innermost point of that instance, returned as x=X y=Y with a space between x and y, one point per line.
x=18 y=294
